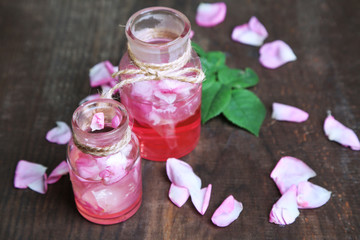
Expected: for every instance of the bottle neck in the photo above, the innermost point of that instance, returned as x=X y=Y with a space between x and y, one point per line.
x=111 y=133
x=158 y=35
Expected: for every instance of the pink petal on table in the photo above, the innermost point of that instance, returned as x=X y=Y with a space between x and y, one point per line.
x=227 y=212
x=201 y=199
x=311 y=196
x=60 y=134
x=283 y=112
x=97 y=122
x=58 y=172
x=39 y=185
x=289 y=171
x=111 y=69
x=115 y=122
x=115 y=80
x=252 y=33
x=337 y=132
x=276 y=54
x=181 y=174
x=178 y=195
x=210 y=14
x=256 y=26
x=105 y=88
x=100 y=74
x=28 y=174
x=89 y=98
x=192 y=33
x=285 y=210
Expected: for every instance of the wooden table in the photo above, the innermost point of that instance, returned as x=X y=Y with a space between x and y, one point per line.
x=46 y=50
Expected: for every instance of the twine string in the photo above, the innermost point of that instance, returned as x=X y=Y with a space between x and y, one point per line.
x=174 y=70
x=104 y=151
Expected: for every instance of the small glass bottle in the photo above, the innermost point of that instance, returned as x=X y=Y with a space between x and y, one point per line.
x=105 y=164
x=165 y=112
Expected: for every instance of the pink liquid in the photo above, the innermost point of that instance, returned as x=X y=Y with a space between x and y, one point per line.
x=165 y=130
x=184 y=139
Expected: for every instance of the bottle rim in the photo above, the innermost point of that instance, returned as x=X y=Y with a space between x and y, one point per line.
x=82 y=132
x=136 y=16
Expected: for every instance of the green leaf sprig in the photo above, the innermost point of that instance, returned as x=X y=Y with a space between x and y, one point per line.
x=224 y=91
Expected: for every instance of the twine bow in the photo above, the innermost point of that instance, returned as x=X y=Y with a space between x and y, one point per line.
x=174 y=70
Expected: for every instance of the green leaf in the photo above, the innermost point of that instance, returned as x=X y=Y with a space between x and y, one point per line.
x=245 y=110
x=209 y=81
x=248 y=78
x=219 y=103
x=237 y=78
x=216 y=58
x=228 y=76
x=212 y=61
x=207 y=99
x=201 y=52
x=223 y=92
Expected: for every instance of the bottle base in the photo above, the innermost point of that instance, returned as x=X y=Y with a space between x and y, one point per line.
x=108 y=219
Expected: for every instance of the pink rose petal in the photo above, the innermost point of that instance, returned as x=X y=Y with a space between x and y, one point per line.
x=105 y=88
x=311 y=196
x=201 y=199
x=210 y=14
x=32 y=175
x=39 y=185
x=60 y=134
x=289 y=171
x=58 y=172
x=282 y=112
x=252 y=33
x=113 y=168
x=227 y=212
x=178 y=195
x=113 y=82
x=285 y=210
x=97 y=122
x=181 y=174
x=110 y=175
x=87 y=168
x=192 y=33
x=100 y=74
x=276 y=54
x=337 y=132
x=89 y=98
x=115 y=122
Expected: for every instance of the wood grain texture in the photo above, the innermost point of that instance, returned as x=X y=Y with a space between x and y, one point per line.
x=46 y=50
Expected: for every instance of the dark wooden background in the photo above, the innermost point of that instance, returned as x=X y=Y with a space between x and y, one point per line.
x=46 y=50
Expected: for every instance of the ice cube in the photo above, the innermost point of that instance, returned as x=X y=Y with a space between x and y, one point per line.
x=144 y=89
x=167 y=97
x=112 y=168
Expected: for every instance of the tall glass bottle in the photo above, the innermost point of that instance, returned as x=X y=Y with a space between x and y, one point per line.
x=165 y=112
x=105 y=168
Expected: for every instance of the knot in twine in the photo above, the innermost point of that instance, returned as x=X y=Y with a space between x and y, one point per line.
x=148 y=71
x=104 y=151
